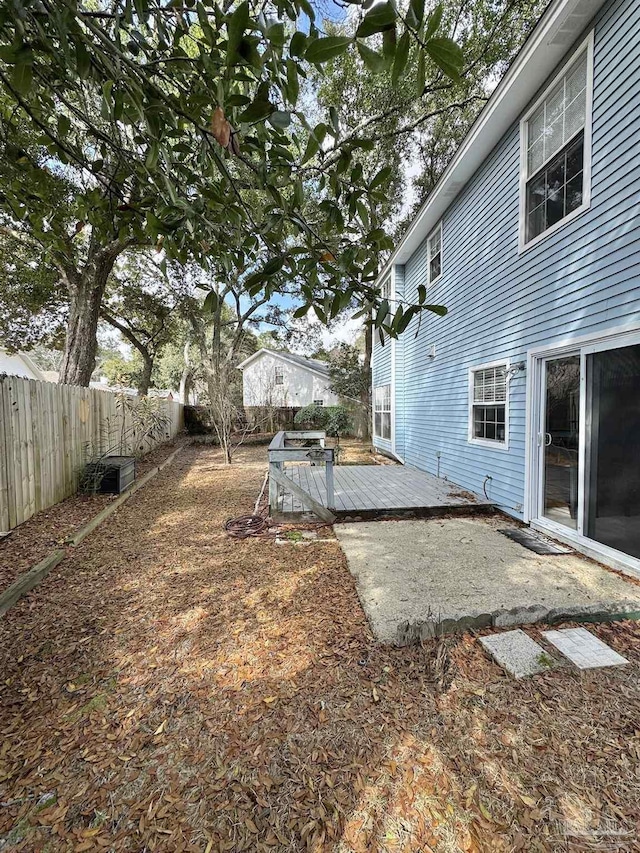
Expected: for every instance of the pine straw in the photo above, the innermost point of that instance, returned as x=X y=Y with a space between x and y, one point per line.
x=357 y=451
x=29 y=543
x=179 y=690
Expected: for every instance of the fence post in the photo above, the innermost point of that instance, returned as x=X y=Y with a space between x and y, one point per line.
x=328 y=469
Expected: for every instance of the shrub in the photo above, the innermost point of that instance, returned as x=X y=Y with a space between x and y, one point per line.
x=313 y=417
x=338 y=421
x=334 y=419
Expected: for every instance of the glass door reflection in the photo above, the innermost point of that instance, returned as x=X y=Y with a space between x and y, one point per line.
x=561 y=440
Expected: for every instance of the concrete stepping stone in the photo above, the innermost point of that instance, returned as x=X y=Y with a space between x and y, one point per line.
x=516 y=652
x=583 y=649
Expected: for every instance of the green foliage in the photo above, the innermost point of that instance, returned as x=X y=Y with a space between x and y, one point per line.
x=312 y=417
x=419 y=112
x=32 y=303
x=168 y=367
x=122 y=371
x=338 y=421
x=184 y=129
x=334 y=419
x=141 y=302
x=348 y=373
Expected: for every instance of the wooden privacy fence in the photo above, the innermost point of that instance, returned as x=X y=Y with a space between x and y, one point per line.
x=49 y=432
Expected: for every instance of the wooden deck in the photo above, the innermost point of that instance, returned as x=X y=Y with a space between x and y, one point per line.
x=377 y=488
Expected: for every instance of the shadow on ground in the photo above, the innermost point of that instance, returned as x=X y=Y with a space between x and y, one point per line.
x=173 y=689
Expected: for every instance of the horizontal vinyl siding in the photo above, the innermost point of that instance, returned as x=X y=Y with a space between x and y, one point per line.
x=584 y=278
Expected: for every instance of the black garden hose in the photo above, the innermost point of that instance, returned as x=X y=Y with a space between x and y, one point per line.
x=245 y=525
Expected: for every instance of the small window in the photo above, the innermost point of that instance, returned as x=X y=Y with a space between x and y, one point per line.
x=318 y=402
x=382 y=411
x=434 y=251
x=385 y=288
x=489 y=404
x=279 y=374
x=555 y=146
x=385 y=293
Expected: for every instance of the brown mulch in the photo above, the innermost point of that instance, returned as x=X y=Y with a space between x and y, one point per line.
x=29 y=543
x=170 y=688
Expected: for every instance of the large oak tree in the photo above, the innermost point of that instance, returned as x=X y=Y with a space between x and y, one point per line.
x=162 y=122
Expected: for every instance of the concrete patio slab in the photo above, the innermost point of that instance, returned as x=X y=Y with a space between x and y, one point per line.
x=583 y=649
x=516 y=652
x=419 y=578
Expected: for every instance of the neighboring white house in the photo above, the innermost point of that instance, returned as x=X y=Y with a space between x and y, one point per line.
x=19 y=364
x=280 y=379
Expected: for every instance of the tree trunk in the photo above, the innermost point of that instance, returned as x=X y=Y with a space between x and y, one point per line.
x=86 y=290
x=185 y=386
x=185 y=379
x=81 y=344
x=145 y=376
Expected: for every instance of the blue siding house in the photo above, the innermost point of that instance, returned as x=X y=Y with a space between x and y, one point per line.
x=529 y=388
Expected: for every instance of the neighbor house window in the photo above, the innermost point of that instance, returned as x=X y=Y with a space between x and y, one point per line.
x=279 y=374
x=488 y=410
x=434 y=251
x=382 y=411
x=318 y=402
x=556 y=150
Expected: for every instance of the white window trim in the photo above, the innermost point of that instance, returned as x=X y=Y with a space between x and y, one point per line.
x=523 y=245
x=430 y=280
x=377 y=349
x=626 y=334
x=486 y=442
x=390 y=297
x=383 y=411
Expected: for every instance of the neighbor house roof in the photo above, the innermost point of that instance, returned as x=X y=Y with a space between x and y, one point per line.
x=559 y=27
x=313 y=364
x=19 y=364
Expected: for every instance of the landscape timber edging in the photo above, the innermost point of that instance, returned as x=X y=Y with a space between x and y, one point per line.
x=29 y=580
x=84 y=531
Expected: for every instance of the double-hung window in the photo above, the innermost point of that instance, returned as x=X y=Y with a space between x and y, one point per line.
x=382 y=411
x=488 y=409
x=385 y=288
x=434 y=252
x=279 y=374
x=385 y=293
x=556 y=149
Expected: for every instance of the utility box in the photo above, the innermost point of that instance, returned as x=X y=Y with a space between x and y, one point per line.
x=111 y=474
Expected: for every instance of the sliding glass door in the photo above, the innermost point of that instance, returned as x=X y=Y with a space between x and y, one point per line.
x=612 y=474
x=561 y=438
x=587 y=442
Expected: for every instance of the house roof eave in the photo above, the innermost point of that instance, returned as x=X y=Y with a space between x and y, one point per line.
x=559 y=27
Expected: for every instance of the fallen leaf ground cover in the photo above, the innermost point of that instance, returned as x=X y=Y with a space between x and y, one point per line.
x=29 y=543
x=356 y=451
x=170 y=688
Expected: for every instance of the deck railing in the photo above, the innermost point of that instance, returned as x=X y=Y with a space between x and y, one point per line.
x=286 y=447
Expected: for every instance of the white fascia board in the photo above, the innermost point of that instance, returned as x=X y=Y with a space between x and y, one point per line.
x=253 y=357
x=560 y=26
x=33 y=367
